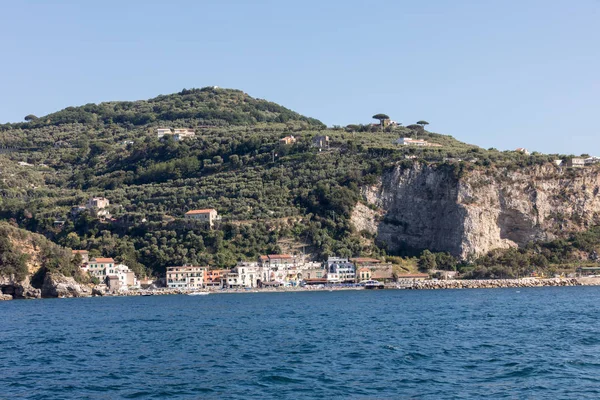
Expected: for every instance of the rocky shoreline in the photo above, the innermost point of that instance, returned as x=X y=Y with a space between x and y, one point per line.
x=490 y=283
x=62 y=287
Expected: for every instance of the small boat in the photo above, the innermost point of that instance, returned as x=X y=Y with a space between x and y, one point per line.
x=373 y=284
x=198 y=294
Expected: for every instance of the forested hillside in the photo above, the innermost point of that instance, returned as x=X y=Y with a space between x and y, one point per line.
x=272 y=197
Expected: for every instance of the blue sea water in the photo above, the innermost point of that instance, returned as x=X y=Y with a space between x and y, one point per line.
x=458 y=344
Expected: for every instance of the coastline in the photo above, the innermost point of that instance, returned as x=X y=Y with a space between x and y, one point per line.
x=401 y=285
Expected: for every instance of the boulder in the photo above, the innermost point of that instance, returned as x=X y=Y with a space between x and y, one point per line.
x=18 y=289
x=58 y=285
x=5 y=297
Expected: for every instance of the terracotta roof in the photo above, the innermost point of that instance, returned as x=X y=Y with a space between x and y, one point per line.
x=278 y=256
x=79 y=251
x=204 y=211
x=102 y=260
x=365 y=260
x=263 y=257
x=364 y=269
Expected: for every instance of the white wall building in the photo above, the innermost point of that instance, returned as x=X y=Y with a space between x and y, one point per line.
x=185 y=277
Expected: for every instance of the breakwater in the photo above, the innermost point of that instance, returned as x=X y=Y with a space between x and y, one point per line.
x=488 y=283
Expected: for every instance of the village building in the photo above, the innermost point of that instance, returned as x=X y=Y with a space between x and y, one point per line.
x=278 y=260
x=100 y=267
x=340 y=271
x=378 y=270
x=591 y=160
x=412 y=277
x=523 y=150
x=575 y=162
x=287 y=140
x=126 y=276
x=208 y=215
x=363 y=274
x=112 y=283
x=213 y=278
x=185 y=277
x=247 y=274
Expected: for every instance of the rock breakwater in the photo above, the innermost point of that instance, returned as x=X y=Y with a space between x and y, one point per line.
x=489 y=283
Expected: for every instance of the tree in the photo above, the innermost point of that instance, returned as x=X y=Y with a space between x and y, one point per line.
x=30 y=117
x=382 y=118
x=427 y=261
x=422 y=123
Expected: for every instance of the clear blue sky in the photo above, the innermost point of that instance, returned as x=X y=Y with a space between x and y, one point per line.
x=495 y=73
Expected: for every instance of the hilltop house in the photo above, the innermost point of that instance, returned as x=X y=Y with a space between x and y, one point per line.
x=185 y=277
x=320 y=141
x=415 y=142
x=177 y=134
x=288 y=140
x=98 y=207
x=208 y=215
x=575 y=162
x=522 y=150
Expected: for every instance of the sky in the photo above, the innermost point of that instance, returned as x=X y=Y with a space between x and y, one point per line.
x=495 y=73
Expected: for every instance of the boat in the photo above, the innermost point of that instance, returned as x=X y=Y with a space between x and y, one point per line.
x=198 y=294
x=372 y=284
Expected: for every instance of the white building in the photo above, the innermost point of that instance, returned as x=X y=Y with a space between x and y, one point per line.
x=177 y=133
x=126 y=277
x=341 y=272
x=208 y=215
x=185 y=277
x=415 y=142
x=100 y=267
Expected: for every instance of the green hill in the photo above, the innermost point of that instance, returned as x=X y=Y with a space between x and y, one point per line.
x=271 y=197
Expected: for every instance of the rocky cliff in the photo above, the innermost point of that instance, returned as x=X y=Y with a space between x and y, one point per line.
x=445 y=208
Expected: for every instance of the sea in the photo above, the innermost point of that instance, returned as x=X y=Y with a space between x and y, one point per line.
x=530 y=343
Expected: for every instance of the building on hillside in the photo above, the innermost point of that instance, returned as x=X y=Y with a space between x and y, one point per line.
x=277 y=260
x=523 y=150
x=213 y=278
x=320 y=141
x=287 y=140
x=558 y=162
x=177 y=133
x=208 y=215
x=98 y=207
x=187 y=277
x=100 y=267
x=180 y=134
x=85 y=255
x=575 y=162
x=161 y=132
x=415 y=142
x=336 y=260
x=591 y=160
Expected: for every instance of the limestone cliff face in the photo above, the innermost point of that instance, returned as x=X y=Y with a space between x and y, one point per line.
x=429 y=206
